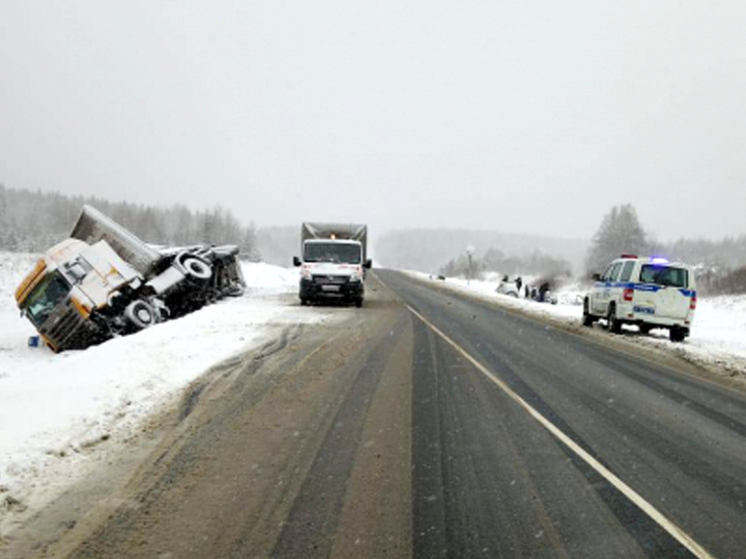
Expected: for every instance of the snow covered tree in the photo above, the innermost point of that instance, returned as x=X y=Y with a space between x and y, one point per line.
x=249 y=245
x=36 y=220
x=208 y=224
x=620 y=232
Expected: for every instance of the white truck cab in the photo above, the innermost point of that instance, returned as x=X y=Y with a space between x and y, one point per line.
x=648 y=292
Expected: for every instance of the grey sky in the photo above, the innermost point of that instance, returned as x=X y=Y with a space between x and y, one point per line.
x=519 y=116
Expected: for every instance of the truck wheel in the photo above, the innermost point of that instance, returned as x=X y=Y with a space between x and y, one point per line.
x=645 y=328
x=358 y=303
x=303 y=302
x=613 y=324
x=140 y=314
x=196 y=268
x=677 y=334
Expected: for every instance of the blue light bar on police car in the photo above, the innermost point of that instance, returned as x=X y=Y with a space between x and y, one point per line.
x=659 y=260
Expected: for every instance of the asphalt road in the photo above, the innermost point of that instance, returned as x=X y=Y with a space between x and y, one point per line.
x=428 y=425
x=503 y=486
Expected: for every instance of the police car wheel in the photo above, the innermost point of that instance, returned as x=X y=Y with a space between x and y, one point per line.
x=612 y=321
x=677 y=334
x=588 y=318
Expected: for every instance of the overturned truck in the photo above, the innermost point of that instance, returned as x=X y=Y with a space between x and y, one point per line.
x=104 y=281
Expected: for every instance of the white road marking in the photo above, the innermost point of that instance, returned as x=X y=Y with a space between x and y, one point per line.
x=664 y=522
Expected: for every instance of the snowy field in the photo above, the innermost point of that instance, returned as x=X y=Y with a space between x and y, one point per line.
x=718 y=332
x=54 y=409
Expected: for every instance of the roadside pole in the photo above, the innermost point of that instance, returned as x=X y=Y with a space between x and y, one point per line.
x=469 y=252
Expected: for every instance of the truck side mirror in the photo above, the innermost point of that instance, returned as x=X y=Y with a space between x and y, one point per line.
x=296 y=261
x=368 y=264
x=596 y=277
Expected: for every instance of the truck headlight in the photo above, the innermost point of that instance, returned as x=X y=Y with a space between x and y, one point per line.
x=305 y=273
x=357 y=275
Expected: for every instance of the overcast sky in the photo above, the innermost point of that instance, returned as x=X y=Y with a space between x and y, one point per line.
x=520 y=116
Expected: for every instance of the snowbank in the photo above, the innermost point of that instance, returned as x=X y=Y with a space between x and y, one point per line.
x=718 y=332
x=267 y=279
x=55 y=407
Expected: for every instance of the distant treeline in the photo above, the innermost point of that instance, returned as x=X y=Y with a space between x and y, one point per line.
x=430 y=250
x=278 y=244
x=535 y=264
x=720 y=265
x=725 y=253
x=33 y=221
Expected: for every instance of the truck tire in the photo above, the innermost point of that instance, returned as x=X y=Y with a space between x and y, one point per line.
x=140 y=315
x=358 y=303
x=196 y=268
x=645 y=328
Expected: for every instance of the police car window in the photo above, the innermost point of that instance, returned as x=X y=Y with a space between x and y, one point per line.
x=627 y=271
x=615 y=271
x=608 y=272
x=675 y=277
x=664 y=275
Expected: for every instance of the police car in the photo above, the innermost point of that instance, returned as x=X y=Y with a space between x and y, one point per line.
x=647 y=292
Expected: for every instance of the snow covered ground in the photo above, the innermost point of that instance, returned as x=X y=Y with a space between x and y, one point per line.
x=718 y=332
x=55 y=408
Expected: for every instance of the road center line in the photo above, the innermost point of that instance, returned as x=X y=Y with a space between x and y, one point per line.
x=664 y=522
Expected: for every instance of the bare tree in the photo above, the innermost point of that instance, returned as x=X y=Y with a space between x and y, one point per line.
x=620 y=232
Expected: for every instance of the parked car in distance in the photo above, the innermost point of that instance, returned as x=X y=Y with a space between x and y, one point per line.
x=508 y=286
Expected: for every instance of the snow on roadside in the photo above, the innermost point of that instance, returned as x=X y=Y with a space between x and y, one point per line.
x=486 y=289
x=55 y=407
x=718 y=332
x=266 y=279
x=720 y=326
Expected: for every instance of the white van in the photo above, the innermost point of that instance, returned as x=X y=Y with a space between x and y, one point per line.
x=648 y=292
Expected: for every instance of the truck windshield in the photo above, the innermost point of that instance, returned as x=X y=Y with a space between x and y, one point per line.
x=664 y=275
x=332 y=252
x=51 y=291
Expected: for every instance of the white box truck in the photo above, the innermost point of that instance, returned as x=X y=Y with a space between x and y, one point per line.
x=333 y=262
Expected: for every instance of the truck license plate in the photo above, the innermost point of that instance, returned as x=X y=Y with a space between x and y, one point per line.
x=329 y=288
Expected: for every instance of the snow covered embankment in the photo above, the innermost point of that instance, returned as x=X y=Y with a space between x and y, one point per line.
x=55 y=407
x=718 y=332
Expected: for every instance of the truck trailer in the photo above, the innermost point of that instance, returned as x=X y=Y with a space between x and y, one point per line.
x=333 y=263
x=104 y=281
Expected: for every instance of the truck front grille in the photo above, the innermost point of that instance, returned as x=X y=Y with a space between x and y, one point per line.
x=70 y=331
x=330 y=280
